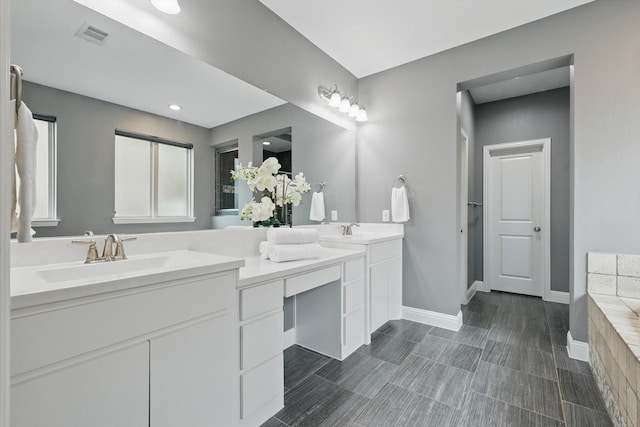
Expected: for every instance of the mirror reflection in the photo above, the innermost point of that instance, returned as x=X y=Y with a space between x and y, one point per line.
x=191 y=123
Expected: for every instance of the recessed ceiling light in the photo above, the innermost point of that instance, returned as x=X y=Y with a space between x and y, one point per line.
x=266 y=143
x=170 y=7
x=175 y=107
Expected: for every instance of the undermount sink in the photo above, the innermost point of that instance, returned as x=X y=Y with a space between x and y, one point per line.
x=88 y=271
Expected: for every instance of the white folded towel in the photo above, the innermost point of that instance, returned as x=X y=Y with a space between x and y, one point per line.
x=264 y=249
x=286 y=235
x=316 y=212
x=399 y=205
x=281 y=253
x=23 y=203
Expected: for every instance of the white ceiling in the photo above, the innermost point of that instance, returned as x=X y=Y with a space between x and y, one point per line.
x=130 y=69
x=369 y=36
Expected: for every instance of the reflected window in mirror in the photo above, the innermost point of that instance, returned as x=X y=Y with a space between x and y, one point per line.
x=46 y=177
x=226 y=160
x=153 y=180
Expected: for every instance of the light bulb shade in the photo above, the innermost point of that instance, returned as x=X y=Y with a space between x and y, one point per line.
x=354 y=110
x=335 y=100
x=345 y=106
x=170 y=7
x=362 y=115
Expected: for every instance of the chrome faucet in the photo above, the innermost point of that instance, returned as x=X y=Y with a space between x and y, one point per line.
x=107 y=251
x=347 y=230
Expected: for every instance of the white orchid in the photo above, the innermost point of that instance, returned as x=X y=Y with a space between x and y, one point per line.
x=283 y=190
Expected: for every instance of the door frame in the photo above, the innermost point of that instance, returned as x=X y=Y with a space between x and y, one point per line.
x=488 y=150
x=463 y=235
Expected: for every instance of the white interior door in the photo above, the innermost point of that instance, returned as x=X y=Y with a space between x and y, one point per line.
x=516 y=186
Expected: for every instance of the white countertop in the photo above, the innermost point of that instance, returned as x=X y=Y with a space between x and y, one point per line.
x=258 y=270
x=57 y=282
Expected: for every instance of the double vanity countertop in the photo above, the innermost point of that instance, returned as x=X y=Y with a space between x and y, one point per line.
x=54 y=282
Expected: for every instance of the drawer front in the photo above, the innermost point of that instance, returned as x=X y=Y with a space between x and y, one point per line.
x=260 y=385
x=386 y=250
x=260 y=340
x=354 y=329
x=353 y=296
x=354 y=270
x=261 y=299
x=51 y=336
x=304 y=282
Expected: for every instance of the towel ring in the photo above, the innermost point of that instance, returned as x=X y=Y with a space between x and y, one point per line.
x=402 y=179
x=321 y=186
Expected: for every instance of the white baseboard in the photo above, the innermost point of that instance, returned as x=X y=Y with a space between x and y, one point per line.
x=480 y=287
x=470 y=292
x=577 y=349
x=558 y=296
x=433 y=318
x=289 y=338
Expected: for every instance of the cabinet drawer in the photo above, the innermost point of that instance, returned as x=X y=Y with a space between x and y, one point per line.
x=304 y=282
x=261 y=299
x=260 y=385
x=354 y=270
x=386 y=250
x=261 y=340
x=353 y=296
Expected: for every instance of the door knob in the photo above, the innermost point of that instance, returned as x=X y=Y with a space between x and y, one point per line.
x=536 y=229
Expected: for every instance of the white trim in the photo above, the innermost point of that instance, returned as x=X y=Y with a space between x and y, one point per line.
x=433 y=318
x=156 y=220
x=45 y=222
x=463 y=237
x=289 y=338
x=560 y=297
x=6 y=169
x=545 y=143
x=470 y=293
x=578 y=350
x=481 y=287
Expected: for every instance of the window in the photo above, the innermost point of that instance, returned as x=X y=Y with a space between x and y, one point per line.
x=153 y=180
x=46 y=153
x=226 y=196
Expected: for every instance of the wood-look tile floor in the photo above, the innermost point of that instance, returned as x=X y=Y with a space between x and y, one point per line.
x=506 y=366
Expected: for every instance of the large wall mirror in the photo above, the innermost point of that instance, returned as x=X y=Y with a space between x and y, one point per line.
x=88 y=77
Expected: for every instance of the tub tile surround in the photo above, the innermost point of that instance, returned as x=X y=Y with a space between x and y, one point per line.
x=614 y=332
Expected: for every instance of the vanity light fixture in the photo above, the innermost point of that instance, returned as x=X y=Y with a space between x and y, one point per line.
x=170 y=7
x=343 y=103
x=175 y=107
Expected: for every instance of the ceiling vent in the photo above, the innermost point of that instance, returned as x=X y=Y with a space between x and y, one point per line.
x=92 y=34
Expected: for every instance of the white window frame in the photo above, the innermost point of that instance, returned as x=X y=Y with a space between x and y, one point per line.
x=51 y=220
x=155 y=218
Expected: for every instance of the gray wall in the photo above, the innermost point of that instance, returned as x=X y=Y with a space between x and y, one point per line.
x=412 y=130
x=86 y=160
x=322 y=150
x=542 y=115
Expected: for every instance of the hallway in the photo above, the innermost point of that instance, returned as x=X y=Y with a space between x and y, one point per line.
x=506 y=366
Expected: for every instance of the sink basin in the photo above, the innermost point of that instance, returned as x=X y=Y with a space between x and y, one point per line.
x=88 y=271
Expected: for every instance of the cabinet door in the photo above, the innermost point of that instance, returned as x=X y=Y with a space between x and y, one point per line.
x=192 y=375
x=379 y=291
x=108 y=390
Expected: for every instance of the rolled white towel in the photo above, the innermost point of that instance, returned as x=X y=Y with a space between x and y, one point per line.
x=264 y=249
x=316 y=212
x=281 y=253
x=285 y=235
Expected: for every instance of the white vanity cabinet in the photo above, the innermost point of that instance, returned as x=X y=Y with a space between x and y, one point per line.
x=385 y=282
x=261 y=359
x=155 y=355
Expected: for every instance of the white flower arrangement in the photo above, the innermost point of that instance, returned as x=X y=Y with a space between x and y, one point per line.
x=279 y=188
